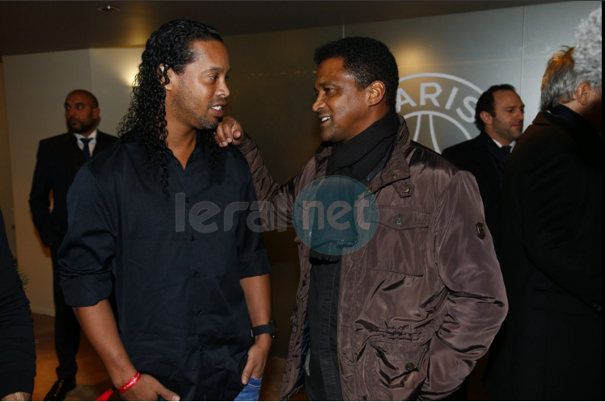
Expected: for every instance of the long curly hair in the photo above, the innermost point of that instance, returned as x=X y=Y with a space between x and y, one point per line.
x=168 y=48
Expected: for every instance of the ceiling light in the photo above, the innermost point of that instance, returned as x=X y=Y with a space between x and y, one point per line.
x=109 y=9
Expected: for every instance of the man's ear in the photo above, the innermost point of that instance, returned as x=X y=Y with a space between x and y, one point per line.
x=96 y=112
x=168 y=86
x=376 y=93
x=583 y=93
x=487 y=118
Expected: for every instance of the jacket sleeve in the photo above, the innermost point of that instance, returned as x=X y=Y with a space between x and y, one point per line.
x=17 y=347
x=39 y=197
x=561 y=225
x=476 y=306
x=87 y=254
x=276 y=202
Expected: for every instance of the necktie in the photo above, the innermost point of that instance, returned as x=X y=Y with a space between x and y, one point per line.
x=86 y=149
x=502 y=155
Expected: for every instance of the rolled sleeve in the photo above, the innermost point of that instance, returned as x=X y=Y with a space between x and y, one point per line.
x=252 y=253
x=87 y=254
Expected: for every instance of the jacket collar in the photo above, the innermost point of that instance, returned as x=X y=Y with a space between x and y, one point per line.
x=396 y=172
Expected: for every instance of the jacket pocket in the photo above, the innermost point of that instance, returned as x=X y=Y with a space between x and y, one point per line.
x=399 y=243
x=395 y=369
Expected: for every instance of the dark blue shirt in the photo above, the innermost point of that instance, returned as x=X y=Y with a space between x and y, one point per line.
x=177 y=261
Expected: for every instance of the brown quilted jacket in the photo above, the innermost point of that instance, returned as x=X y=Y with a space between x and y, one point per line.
x=420 y=303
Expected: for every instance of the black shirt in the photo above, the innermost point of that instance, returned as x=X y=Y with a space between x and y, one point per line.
x=177 y=261
x=361 y=158
x=17 y=347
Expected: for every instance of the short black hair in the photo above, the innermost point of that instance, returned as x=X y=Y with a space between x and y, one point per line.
x=487 y=103
x=367 y=59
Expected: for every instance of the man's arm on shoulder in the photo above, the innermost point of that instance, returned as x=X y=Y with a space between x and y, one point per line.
x=39 y=201
x=476 y=305
x=276 y=201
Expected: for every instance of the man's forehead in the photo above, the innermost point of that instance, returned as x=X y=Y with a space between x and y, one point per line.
x=508 y=98
x=78 y=98
x=212 y=53
x=331 y=70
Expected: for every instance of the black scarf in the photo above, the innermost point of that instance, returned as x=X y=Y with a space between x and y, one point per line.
x=359 y=156
x=357 y=159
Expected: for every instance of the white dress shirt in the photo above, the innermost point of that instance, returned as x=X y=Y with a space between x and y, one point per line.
x=91 y=144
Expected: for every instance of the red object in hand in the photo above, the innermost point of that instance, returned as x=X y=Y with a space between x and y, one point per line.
x=105 y=396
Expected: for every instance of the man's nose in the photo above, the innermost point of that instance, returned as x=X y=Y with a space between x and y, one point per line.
x=223 y=91
x=318 y=104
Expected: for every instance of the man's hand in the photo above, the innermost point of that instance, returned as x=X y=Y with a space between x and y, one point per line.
x=229 y=131
x=257 y=358
x=18 y=396
x=148 y=389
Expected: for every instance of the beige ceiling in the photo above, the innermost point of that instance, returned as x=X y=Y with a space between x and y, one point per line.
x=49 y=26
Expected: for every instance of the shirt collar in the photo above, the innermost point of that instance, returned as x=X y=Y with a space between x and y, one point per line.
x=92 y=136
x=499 y=145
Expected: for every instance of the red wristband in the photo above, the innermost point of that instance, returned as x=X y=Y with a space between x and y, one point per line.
x=107 y=394
x=130 y=383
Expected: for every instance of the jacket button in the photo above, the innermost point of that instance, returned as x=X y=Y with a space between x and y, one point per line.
x=394 y=176
x=410 y=367
x=399 y=221
x=196 y=275
x=192 y=238
x=407 y=190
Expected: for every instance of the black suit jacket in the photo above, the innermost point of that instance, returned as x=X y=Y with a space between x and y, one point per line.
x=474 y=156
x=59 y=159
x=550 y=347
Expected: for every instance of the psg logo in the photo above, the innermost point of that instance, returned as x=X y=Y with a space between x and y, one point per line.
x=439 y=108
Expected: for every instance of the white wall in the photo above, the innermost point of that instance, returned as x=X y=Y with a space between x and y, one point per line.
x=36 y=86
x=492 y=47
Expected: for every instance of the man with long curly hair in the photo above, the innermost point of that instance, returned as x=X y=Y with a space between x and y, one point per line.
x=188 y=291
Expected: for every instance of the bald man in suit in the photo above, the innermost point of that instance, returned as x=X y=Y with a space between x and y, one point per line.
x=59 y=159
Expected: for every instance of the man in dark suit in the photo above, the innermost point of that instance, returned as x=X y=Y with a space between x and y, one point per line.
x=59 y=159
x=550 y=347
x=499 y=116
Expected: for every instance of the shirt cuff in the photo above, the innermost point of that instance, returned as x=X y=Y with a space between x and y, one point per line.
x=254 y=264
x=88 y=290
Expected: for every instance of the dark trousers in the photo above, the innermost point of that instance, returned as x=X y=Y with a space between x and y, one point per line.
x=67 y=328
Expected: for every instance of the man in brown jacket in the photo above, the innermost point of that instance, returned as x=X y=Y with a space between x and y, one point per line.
x=407 y=315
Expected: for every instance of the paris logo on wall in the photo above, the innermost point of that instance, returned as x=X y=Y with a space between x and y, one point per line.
x=439 y=108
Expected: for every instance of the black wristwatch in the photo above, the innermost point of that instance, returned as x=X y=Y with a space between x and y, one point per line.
x=270 y=329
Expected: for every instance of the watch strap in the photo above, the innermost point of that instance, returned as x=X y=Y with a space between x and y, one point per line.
x=264 y=329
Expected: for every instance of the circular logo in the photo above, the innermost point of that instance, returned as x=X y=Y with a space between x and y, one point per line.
x=336 y=215
x=439 y=108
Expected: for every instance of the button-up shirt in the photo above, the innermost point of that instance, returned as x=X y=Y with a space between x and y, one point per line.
x=91 y=145
x=177 y=261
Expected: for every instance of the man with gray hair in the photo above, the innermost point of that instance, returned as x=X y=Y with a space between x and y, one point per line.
x=550 y=347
